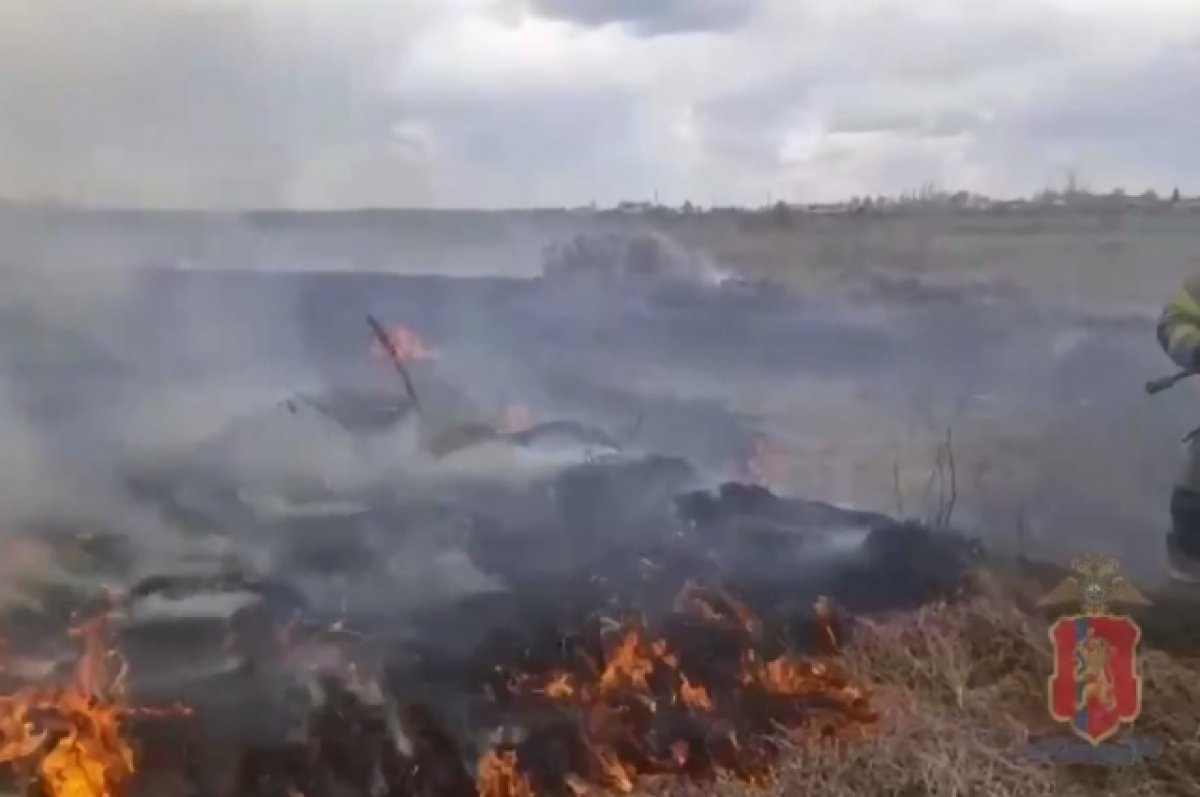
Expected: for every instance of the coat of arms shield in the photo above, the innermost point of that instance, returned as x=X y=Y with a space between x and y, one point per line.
x=1096 y=686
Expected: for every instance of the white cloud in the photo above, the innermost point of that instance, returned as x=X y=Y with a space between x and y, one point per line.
x=515 y=102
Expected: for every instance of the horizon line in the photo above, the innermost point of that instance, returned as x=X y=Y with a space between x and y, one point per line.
x=1048 y=197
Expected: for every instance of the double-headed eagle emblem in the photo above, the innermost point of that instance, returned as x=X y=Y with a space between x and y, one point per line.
x=1096 y=687
x=1096 y=585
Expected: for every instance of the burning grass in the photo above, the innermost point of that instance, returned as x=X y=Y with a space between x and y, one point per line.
x=704 y=700
x=69 y=739
x=697 y=697
x=960 y=688
x=405 y=345
x=655 y=708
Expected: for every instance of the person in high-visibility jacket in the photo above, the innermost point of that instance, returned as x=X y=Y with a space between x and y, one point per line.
x=1179 y=335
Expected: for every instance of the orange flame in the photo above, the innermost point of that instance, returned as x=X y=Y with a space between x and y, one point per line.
x=642 y=677
x=71 y=738
x=407 y=345
x=694 y=695
x=72 y=734
x=499 y=776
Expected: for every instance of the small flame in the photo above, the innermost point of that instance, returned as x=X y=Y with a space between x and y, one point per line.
x=70 y=738
x=73 y=733
x=694 y=695
x=617 y=775
x=406 y=344
x=499 y=776
x=643 y=677
x=628 y=664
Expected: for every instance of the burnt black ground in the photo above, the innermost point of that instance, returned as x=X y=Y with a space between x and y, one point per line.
x=446 y=661
x=619 y=540
x=436 y=584
x=648 y=350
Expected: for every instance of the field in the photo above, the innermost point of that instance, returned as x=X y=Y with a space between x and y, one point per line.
x=185 y=391
x=969 y=688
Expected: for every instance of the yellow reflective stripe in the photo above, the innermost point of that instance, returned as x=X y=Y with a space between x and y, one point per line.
x=1179 y=327
x=1183 y=335
x=1182 y=306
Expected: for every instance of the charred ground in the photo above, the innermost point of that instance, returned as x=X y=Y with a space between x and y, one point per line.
x=636 y=632
x=322 y=591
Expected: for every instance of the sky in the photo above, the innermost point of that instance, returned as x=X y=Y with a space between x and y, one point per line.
x=520 y=103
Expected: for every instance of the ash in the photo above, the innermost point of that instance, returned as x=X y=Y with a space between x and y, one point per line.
x=380 y=636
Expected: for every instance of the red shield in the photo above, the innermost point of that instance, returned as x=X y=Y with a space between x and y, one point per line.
x=1096 y=685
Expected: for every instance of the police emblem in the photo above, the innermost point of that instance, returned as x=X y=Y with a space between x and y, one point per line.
x=1096 y=686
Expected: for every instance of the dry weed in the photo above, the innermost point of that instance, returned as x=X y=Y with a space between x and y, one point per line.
x=961 y=688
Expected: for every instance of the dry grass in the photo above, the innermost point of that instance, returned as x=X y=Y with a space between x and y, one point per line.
x=963 y=686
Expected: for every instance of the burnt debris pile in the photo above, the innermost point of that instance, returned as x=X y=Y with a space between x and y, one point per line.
x=584 y=628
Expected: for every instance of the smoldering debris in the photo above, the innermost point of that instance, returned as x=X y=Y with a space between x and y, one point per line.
x=600 y=622
x=371 y=596
x=392 y=350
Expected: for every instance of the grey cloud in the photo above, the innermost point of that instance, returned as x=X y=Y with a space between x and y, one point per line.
x=748 y=125
x=1133 y=127
x=907 y=87
x=653 y=17
x=997 y=108
x=750 y=130
x=199 y=102
x=1155 y=101
x=539 y=146
x=911 y=120
x=900 y=43
x=139 y=103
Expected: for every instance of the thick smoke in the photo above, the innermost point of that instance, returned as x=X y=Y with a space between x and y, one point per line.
x=122 y=387
x=117 y=380
x=232 y=451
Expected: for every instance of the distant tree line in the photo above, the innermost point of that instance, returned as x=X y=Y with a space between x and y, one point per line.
x=929 y=196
